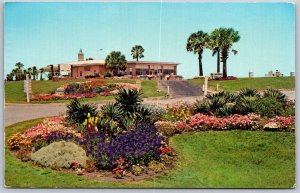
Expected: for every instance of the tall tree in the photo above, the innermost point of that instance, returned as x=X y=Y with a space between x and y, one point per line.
x=19 y=65
x=34 y=73
x=196 y=43
x=116 y=61
x=214 y=45
x=228 y=36
x=29 y=71
x=137 y=52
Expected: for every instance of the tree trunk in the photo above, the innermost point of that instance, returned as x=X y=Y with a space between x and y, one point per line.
x=200 y=62
x=41 y=77
x=225 y=69
x=137 y=59
x=218 y=61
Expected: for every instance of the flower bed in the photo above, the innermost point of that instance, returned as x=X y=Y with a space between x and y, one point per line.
x=88 y=89
x=203 y=122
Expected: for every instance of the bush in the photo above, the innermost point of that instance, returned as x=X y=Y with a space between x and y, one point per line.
x=246 y=104
x=276 y=94
x=156 y=112
x=268 y=107
x=248 y=92
x=60 y=154
x=136 y=147
x=19 y=141
x=129 y=100
x=167 y=128
x=77 y=112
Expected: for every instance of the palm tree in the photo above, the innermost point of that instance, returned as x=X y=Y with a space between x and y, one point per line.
x=34 y=72
x=137 y=52
x=115 y=61
x=29 y=71
x=228 y=36
x=41 y=72
x=19 y=65
x=24 y=74
x=196 y=43
x=214 y=45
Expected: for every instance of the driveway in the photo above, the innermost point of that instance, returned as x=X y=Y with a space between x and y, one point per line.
x=14 y=113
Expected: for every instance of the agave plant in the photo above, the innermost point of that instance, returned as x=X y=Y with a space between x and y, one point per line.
x=128 y=100
x=248 y=92
x=278 y=95
x=111 y=111
x=226 y=110
x=246 y=104
x=228 y=97
x=77 y=112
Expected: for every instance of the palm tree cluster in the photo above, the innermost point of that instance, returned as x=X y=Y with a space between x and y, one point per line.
x=219 y=41
x=117 y=62
x=19 y=73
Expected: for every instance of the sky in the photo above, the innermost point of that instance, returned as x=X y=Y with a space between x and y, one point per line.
x=51 y=33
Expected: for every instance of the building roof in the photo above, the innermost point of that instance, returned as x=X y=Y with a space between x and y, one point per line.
x=102 y=62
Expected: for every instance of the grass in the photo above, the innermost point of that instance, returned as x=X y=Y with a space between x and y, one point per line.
x=254 y=83
x=14 y=90
x=149 y=89
x=224 y=159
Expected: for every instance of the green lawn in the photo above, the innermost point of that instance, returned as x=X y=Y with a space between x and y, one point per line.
x=14 y=90
x=216 y=159
x=254 y=83
x=149 y=89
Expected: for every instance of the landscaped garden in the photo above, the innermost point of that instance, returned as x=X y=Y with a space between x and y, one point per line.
x=227 y=140
x=46 y=91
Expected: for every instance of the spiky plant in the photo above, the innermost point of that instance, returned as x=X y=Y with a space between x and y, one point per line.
x=226 y=110
x=111 y=111
x=129 y=100
x=227 y=96
x=248 y=92
x=77 y=112
x=246 y=104
x=278 y=95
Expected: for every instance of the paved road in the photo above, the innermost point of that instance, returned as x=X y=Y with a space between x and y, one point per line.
x=15 y=113
x=181 y=88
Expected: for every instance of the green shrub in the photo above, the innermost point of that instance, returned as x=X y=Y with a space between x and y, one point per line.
x=289 y=111
x=268 y=107
x=77 y=112
x=226 y=110
x=247 y=92
x=167 y=128
x=276 y=94
x=129 y=100
x=60 y=154
x=246 y=104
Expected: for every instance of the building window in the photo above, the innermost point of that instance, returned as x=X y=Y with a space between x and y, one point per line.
x=87 y=68
x=168 y=72
x=80 y=73
x=141 y=71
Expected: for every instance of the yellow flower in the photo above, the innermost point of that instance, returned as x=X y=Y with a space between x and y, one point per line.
x=85 y=122
x=88 y=115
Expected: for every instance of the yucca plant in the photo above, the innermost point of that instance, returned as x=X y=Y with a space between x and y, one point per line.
x=128 y=100
x=278 y=95
x=111 y=111
x=228 y=97
x=248 y=92
x=246 y=104
x=226 y=110
x=77 y=112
